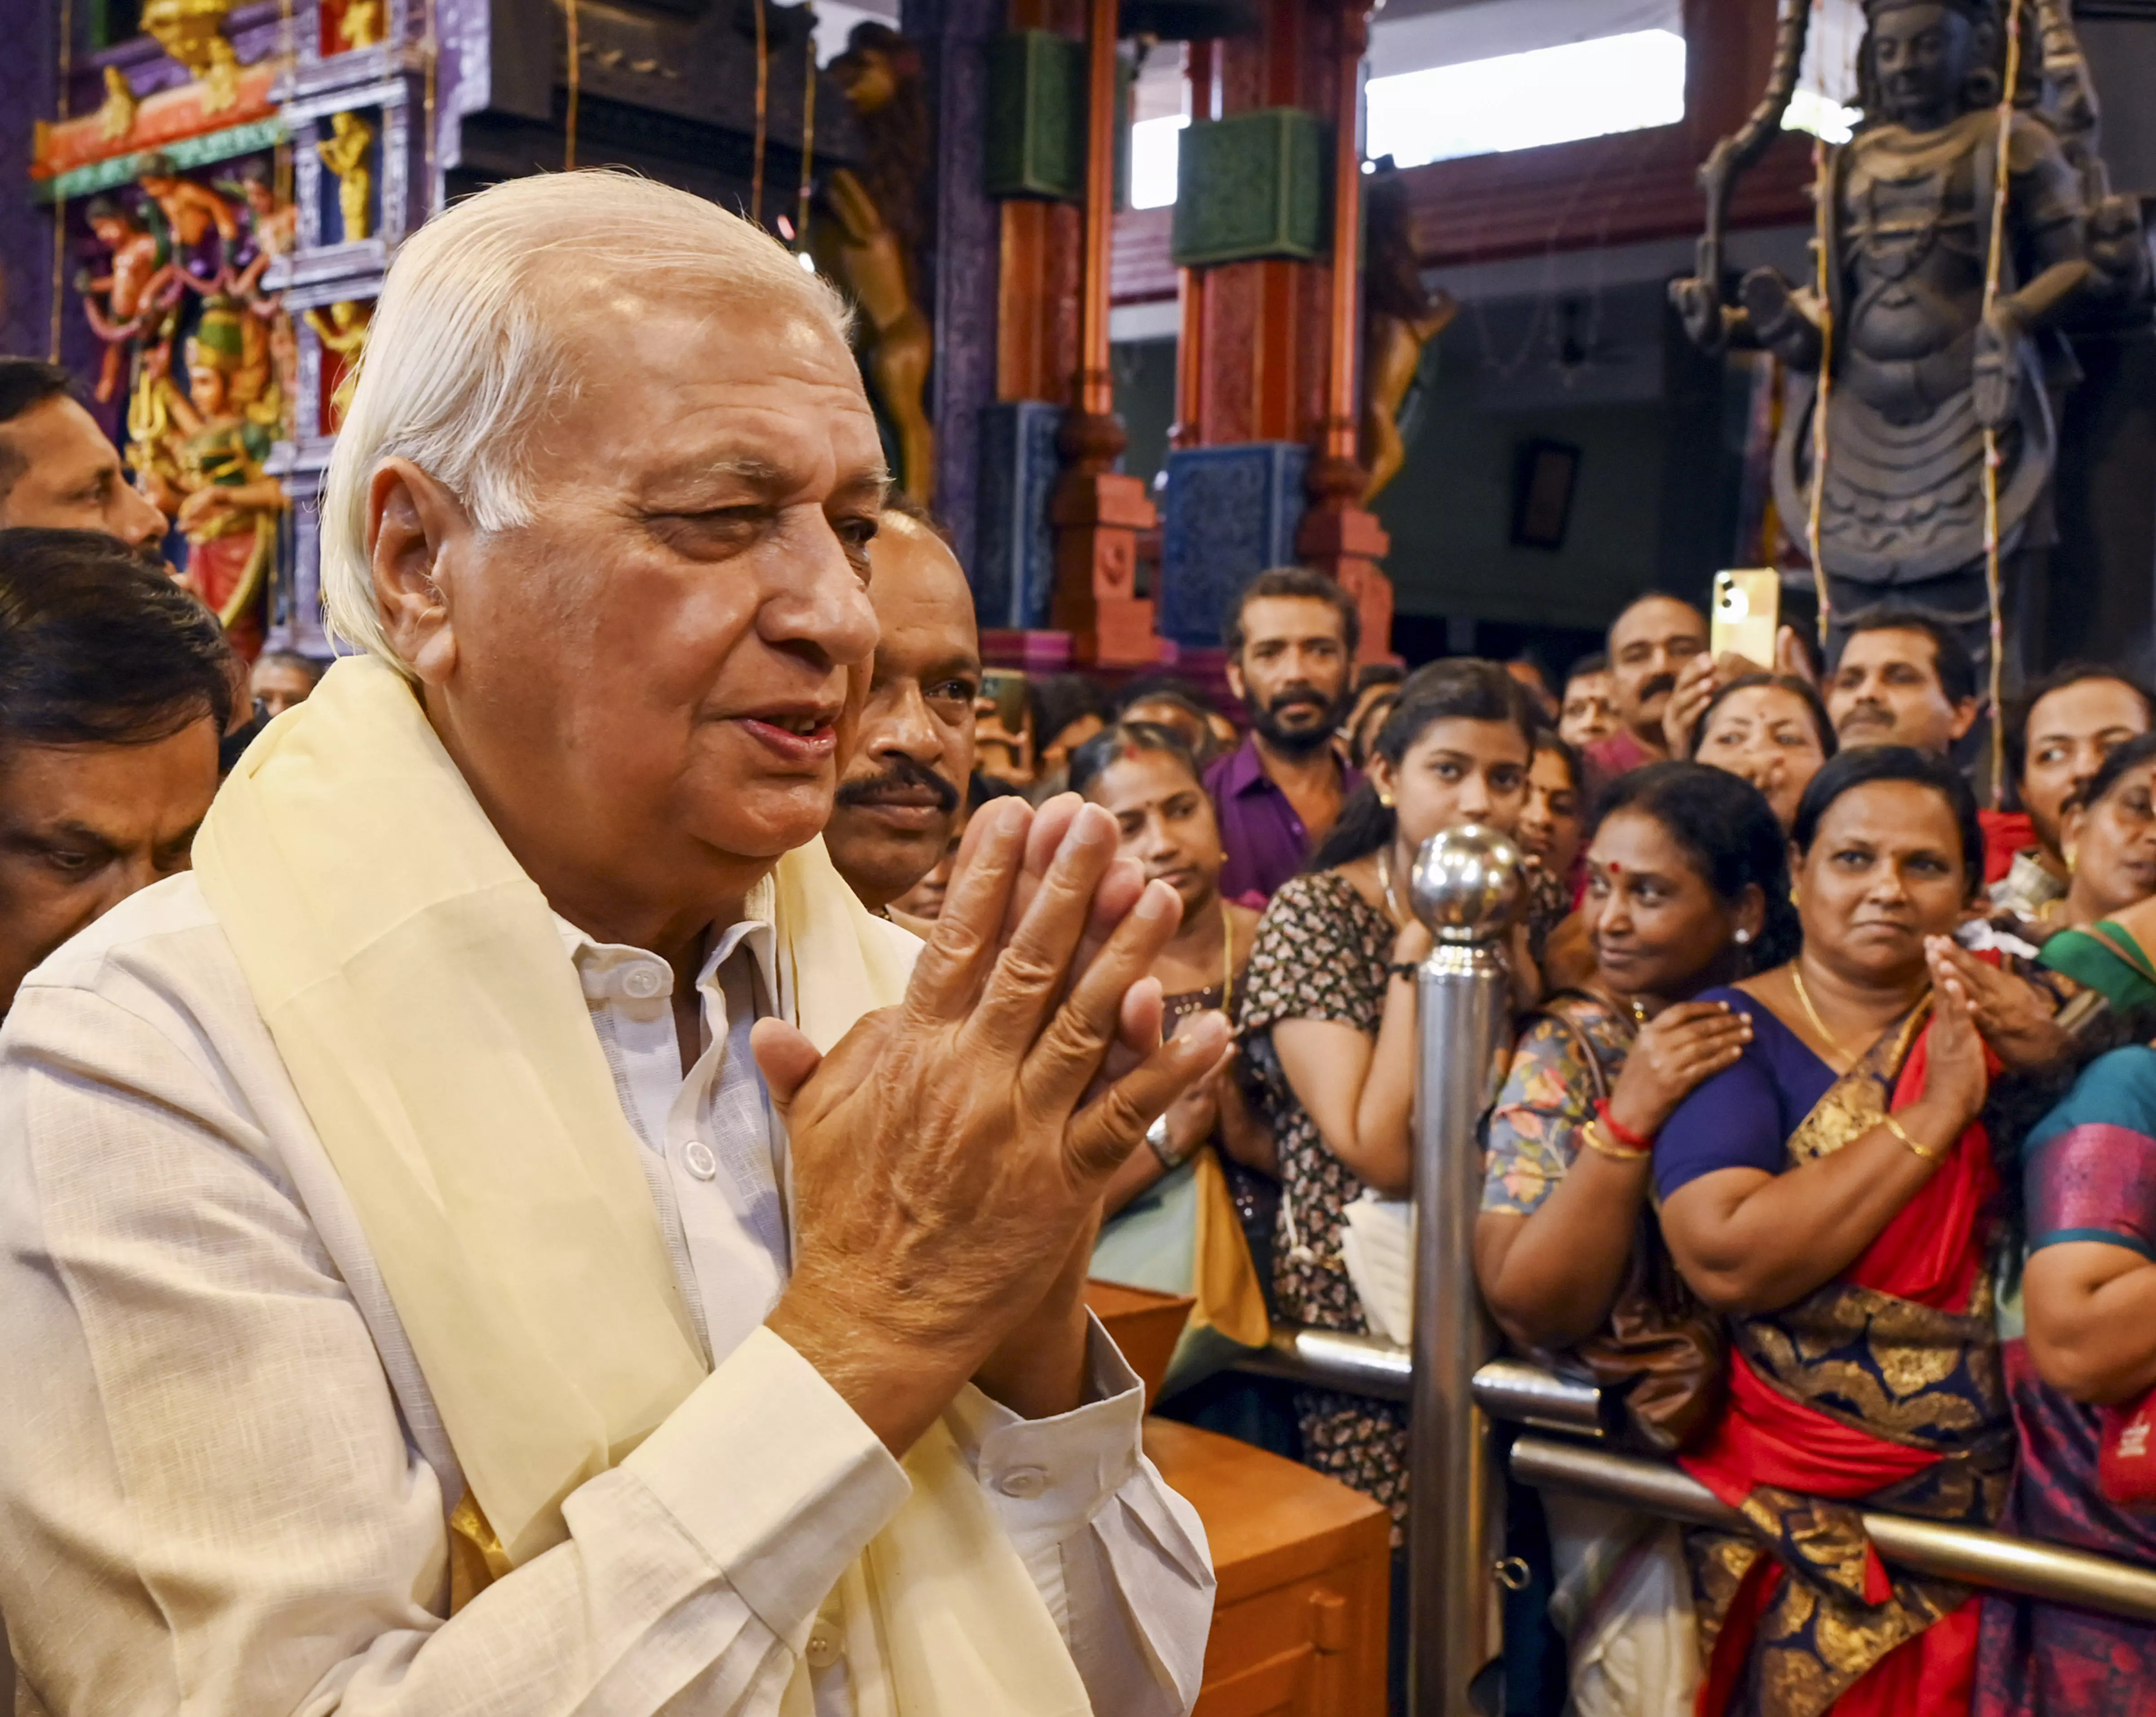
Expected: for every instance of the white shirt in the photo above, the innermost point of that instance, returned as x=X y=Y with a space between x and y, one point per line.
x=224 y=1484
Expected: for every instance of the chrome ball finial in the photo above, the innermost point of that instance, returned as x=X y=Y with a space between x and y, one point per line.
x=1468 y=884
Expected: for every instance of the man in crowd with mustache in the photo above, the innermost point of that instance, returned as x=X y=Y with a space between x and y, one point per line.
x=115 y=684
x=899 y=797
x=59 y=470
x=1903 y=678
x=1292 y=638
x=1655 y=637
x=2058 y=735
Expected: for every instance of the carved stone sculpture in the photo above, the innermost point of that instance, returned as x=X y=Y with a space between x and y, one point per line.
x=1926 y=329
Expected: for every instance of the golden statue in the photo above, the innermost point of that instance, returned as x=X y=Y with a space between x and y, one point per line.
x=115 y=114
x=1401 y=316
x=878 y=212
x=193 y=31
x=345 y=153
x=359 y=25
x=200 y=454
x=343 y=332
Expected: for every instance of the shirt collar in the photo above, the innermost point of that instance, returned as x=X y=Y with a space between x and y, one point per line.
x=1244 y=772
x=638 y=978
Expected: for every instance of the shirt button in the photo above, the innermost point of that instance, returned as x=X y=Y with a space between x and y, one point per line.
x=641 y=983
x=698 y=1156
x=1023 y=1482
x=823 y=1645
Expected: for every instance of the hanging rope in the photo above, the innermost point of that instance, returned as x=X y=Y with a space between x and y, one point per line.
x=762 y=109
x=807 y=149
x=1815 y=511
x=60 y=203
x=1993 y=268
x=576 y=80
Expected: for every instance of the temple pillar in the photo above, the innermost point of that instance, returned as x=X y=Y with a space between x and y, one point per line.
x=1265 y=466
x=1098 y=510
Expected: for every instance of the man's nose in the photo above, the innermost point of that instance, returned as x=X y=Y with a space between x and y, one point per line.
x=136 y=520
x=907 y=726
x=817 y=598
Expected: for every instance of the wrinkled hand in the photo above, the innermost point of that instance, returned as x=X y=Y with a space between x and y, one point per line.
x=948 y=1160
x=2015 y=1017
x=1682 y=1047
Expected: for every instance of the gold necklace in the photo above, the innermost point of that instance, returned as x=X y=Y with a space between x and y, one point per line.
x=1805 y=995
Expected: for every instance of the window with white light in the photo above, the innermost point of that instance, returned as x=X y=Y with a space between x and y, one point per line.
x=1483 y=78
x=1154 y=145
x=1555 y=95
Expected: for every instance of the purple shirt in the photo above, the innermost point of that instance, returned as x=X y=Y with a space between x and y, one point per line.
x=1265 y=840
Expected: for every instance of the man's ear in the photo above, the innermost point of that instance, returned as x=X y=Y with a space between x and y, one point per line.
x=1965 y=714
x=1235 y=669
x=414 y=524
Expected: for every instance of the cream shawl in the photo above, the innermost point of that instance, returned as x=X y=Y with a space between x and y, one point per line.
x=414 y=982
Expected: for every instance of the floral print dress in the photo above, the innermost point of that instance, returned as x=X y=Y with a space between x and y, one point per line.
x=1548 y=1099
x=1320 y=953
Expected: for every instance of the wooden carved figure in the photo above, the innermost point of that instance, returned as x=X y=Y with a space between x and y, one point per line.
x=1401 y=316
x=878 y=213
x=345 y=153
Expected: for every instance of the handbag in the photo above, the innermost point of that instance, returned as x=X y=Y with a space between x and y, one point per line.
x=2126 y=1461
x=1662 y=1357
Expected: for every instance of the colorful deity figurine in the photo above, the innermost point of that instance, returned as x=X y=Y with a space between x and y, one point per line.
x=129 y=288
x=200 y=453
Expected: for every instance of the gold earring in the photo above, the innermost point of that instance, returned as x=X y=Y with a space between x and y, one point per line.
x=2068 y=854
x=1794 y=901
x=1386 y=800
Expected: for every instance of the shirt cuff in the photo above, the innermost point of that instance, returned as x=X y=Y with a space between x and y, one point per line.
x=1048 y=1478
x=779 y=1481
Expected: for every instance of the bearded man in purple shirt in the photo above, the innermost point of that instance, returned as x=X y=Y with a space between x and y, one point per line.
x=1292 y=638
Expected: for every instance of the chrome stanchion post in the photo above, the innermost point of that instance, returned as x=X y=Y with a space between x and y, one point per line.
x=1467 y=889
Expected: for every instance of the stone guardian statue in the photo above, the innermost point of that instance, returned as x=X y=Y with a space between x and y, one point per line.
x=1915 y=338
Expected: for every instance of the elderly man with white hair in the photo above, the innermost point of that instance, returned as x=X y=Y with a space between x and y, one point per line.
x=508 y=1233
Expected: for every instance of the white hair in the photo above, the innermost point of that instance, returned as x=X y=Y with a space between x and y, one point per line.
x=465 y=361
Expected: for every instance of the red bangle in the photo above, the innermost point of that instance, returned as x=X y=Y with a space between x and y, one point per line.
x=1620 y=1132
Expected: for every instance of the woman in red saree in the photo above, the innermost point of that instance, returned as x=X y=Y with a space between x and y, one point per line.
x=1830 y=1193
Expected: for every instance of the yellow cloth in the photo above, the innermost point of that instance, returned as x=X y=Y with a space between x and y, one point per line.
x=417 y=988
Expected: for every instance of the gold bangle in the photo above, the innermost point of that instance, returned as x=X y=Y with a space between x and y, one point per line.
x=1592 y=1136
x=1923 y=1153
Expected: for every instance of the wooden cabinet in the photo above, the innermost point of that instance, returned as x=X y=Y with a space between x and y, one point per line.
x=1303 y=1564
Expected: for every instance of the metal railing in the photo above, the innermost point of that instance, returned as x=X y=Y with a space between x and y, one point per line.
x=1467 y=889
